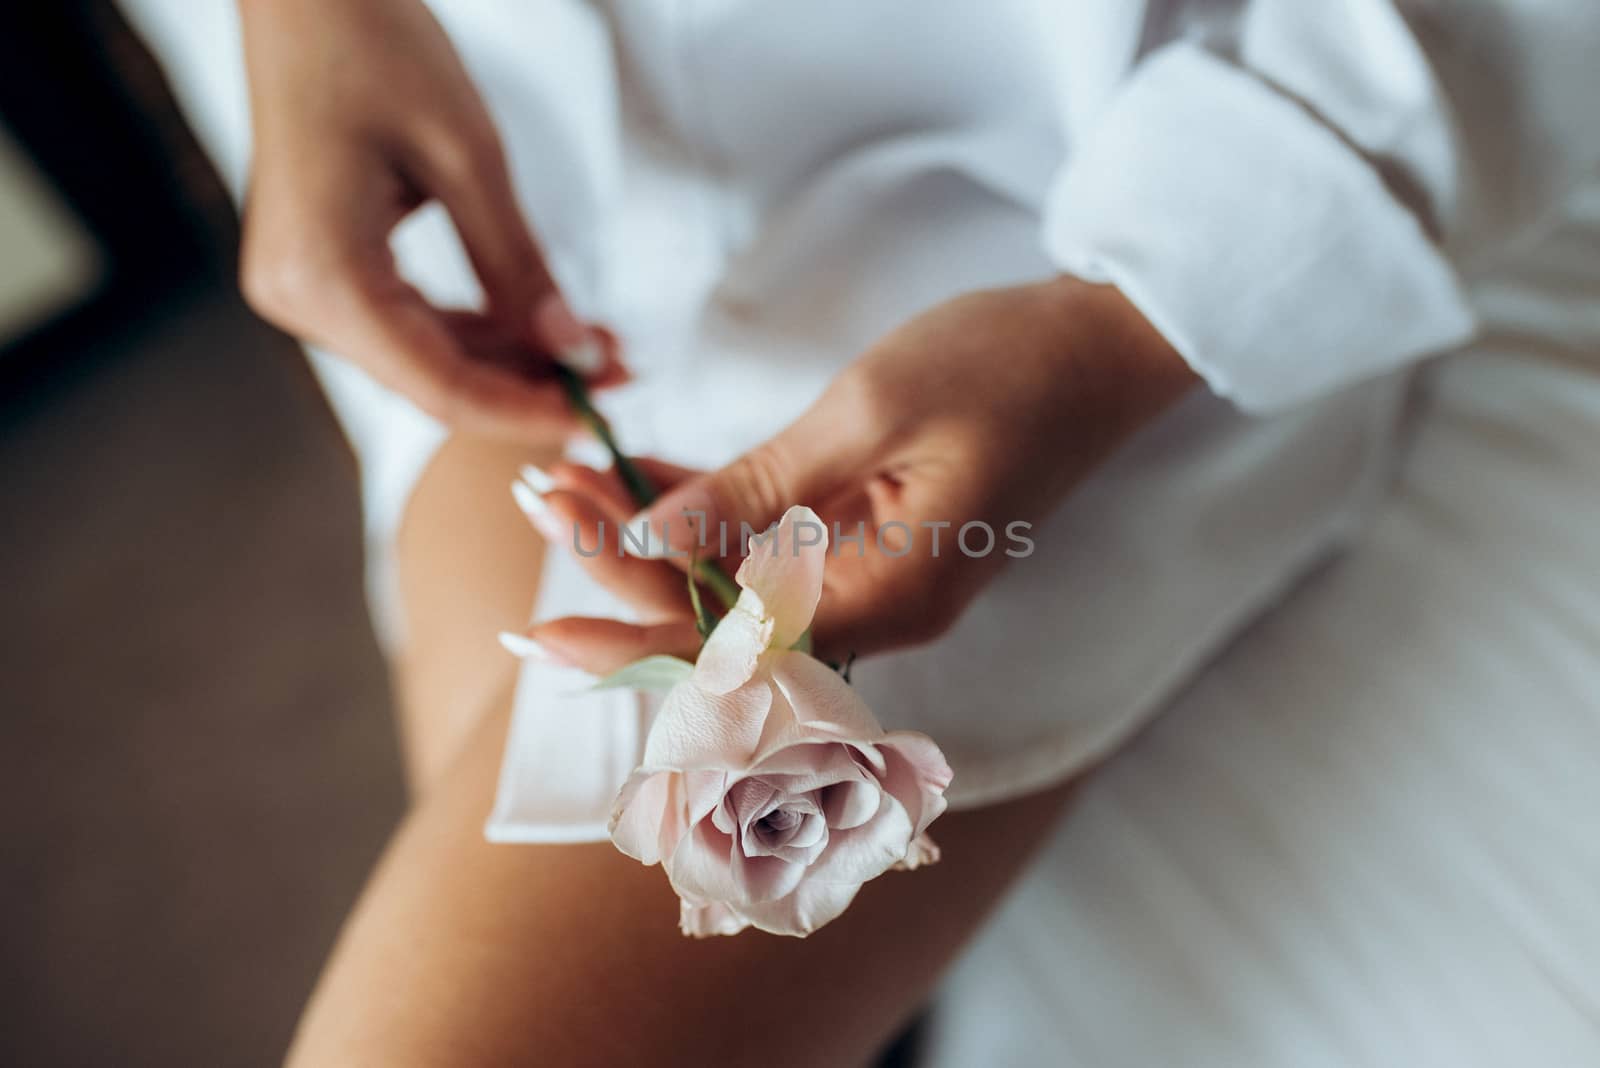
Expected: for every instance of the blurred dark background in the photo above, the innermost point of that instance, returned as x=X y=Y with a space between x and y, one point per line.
x=197 y=767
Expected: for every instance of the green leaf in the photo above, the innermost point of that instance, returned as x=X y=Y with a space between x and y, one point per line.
x=657 y=674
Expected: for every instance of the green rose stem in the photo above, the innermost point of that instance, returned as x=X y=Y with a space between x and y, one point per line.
x=644 y=492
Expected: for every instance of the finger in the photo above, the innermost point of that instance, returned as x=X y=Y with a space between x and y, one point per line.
x=578 y=345
x=316 y=261
x=607 y=484
x=611 y=371
x=878 y=603
x=407 y=345
x=666 y=475
x=819 y=457
x=605 y=488
x=602 y=646
x=467 y=171
x=903 y=576
x=581 y=526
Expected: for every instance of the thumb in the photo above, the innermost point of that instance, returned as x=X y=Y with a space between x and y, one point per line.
x=810 y=462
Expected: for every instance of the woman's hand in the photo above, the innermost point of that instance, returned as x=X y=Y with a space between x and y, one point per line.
x=362 y=112
x=988 y=408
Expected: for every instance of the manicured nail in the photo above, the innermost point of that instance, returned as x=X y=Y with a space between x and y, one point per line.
x=642 y=540
x=555 y=324
x=525 y=648
x=537 y=478
x=679 y=525
x=585 y=360
x=538 y=511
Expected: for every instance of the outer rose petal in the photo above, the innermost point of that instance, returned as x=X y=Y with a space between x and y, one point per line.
x=697 y=729
x=648 y=819
x=704 y=919
x=808 y=766
x=655 y=809
x=732 y=651
x=823 y=703
x=702 y=865
x=812 y=904
x=787 y=576
x=916 y=774
x=923 y=852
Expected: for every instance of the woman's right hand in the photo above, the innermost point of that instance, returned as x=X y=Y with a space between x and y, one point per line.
x=362 y=112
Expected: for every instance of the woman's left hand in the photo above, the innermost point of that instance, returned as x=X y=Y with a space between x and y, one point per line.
x=988 y=408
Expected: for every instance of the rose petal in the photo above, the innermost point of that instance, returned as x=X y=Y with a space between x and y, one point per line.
x=869 y=760
x=822 y=702
x=732 y=651
x=785 y=575
x=710 y=866
x=834 y=709
x=812 y=831
x=916 y=774
x=867 y=851
x=850 y=803
x=703 y=790
x=696 y=729
x=810 y=906
x=799 y=769
x=764 y=878
x=923 y=852
x=805 y=851
x=702 y=865
x=649 y=817
x=702 y=919
x=799 y=843
x=746 y=801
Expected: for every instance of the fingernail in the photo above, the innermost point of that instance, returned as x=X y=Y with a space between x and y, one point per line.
x=681 y=524
x=525 y=648
x=555 y=323
x=538 y=511
x=585 y=360
x=642 y=540
x=537 y=478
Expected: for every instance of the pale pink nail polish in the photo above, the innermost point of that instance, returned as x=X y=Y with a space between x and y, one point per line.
x=555 y=324
x=525 y=648
x=538 y=511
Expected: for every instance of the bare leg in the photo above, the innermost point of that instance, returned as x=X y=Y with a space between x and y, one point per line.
x=464 y=953
x=469 y=568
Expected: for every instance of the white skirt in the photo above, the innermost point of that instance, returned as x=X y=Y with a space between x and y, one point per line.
x=1260 y=872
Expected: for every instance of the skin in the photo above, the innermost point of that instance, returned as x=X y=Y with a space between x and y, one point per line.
x=350 y=138
x=463 y=953
x=466 y=953
x=989 y=407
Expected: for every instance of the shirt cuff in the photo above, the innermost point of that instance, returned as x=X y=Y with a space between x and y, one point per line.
x=1267 y=250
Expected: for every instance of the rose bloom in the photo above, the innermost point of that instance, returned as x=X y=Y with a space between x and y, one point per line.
x=768 y=790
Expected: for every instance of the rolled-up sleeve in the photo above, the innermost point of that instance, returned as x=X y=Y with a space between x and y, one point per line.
x=1295 y=211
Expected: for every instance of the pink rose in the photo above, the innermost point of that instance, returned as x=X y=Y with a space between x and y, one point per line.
x=768 y=791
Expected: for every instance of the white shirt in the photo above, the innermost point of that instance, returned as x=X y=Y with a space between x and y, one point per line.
x=1305 y=196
